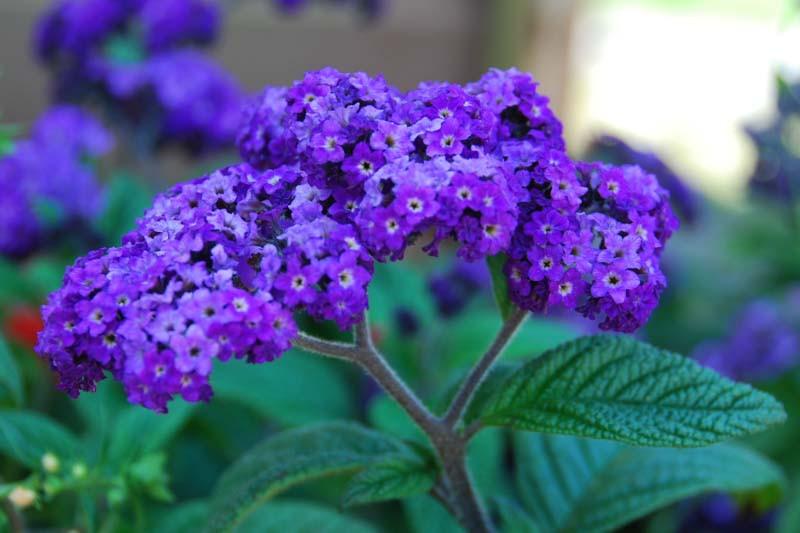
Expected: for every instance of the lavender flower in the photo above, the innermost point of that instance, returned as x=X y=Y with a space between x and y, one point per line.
x=342 y=170
x=53 y=165
x=137 y=57
x=613 y=150
x=764 y=342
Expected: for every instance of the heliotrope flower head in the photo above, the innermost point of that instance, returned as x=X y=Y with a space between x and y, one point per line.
x=53 y=166
x=138 y=58
x=610 y=149
x=342 y=170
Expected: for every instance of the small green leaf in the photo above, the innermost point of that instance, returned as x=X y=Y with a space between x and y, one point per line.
x=26 y=436
x=513 y=518
x=392 y=478
x=425 y=515
x=293 y=457
x=283 y=516
x=188 y=517
x=133 y=421
x=149 y=474
x=615 y=387
x=278 y=391
x=127 y=200
x=10 y=379
x=500 y=284
x=578 y=485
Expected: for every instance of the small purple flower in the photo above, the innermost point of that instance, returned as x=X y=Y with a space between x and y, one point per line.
x=613 y=281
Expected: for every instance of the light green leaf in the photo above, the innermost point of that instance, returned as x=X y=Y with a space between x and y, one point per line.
x=188 y=517
x=393 y=478
x=468 y=335
x=425 y=515
x=26 y=436
x=134 y=421
x=513 y=518
x=500 y=284
x=569 y=484
x=615 y=387
x=279 y=390
x=284 y=516
x=126 y=201
x=293 y=457
x=10 y=379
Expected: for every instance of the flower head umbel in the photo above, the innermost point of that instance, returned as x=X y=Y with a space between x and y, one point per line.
x=138 y=58
x=342 y=170
x=53 y=167
x=610 y=149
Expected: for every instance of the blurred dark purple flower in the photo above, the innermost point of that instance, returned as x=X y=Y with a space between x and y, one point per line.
x=613 y=150
x=369 y=8
x=52 y=166
x=407 y=321
x=777 y=170
x=719 y=513
x=137 y=58
x=453 y=289
x=764 y=342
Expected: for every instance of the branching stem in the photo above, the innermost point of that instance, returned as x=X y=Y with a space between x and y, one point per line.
x=455 y=490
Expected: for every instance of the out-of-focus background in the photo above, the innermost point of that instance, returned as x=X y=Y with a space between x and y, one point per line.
x=681 y=76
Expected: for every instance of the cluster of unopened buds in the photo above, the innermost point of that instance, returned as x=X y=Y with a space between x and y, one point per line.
x=341 y=171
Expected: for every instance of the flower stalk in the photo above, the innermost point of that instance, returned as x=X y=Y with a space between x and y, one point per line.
x=455 y=489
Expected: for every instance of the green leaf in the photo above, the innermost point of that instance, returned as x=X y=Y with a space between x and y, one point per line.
x=500 y=284
x=10 y=379
x=292 y=457
x=614 y=387
x=513 y=518
x=188 y=517
x=279 y=391
x=468 y=335
x=425 y=515
x=282 y=516
x=26 y=436
x=133 y=421
x=149 y=474
x=578 y=485
x=393 y=478
x=127 y=199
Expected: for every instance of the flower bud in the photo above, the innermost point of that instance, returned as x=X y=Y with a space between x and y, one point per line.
x=22 y=497
x=50 y=463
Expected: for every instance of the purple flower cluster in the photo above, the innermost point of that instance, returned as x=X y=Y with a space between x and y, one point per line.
x=52 y=166
x=764 y=341
x=610 y=149
x=484 y=165
x=138 y=58
x=342 y=170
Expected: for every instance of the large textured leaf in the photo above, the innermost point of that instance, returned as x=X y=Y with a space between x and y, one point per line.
x=284 y=516
x=614 y=387
x=10 y=380
x=500 y=285
x=570 y=484
x=513 y=518
x=392 y=478
x=426 y=515
x=26 y=436
x=282 y=390
x=290 y=458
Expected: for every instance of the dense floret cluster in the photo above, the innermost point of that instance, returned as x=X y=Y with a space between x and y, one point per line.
x=614 y=150
x=342 y=170
x=139 y=58
x=51 y=169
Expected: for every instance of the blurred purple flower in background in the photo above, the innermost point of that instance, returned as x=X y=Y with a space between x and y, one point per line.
x=764 y=341
x=777 y=170
x=721 y=514
x=453 y=289
x=614 y=150
x=51 y=169
x=138 y=59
